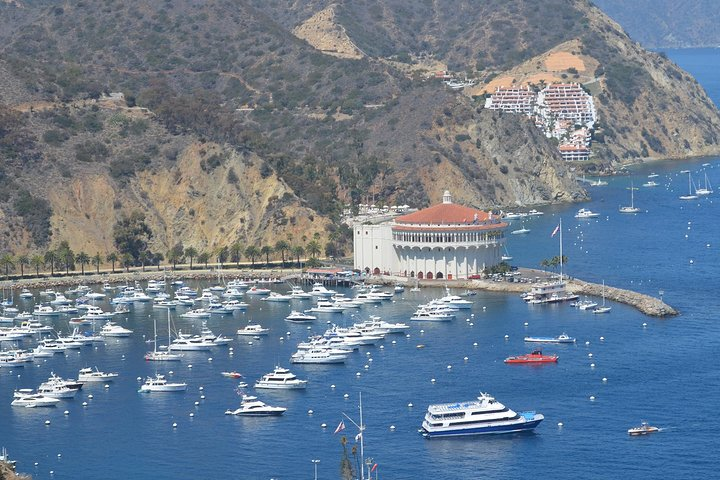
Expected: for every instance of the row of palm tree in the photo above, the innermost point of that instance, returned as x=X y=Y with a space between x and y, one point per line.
x=64 y=258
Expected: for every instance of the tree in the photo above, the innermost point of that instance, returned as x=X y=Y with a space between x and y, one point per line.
x=222 y=255
x=131 y=234
x=127 y=261
x=7 y=261
x=316 y=236
x=282 y=246
x=50 y=259
x=83 y=259
x=204 y=257
x=66 y=255
x=23 y=261
x=175 y=254
x=298 y=251
x=191 y=252
x=266 y=250
x=252 y=252
x=37 y=262
x=313 y=248
x=157 y=259
x=144 y=258
x=97 y=261
x=112 y=258
x=235 y=253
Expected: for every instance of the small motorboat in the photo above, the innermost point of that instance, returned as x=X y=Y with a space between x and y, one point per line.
x=585 y=213
x=643 y=429
x=253 y=329
x=251 y=406
x=536 y=356
x=158 y=383
x=232 y=374
x=296 y=316
x=89 y=375
x=562 y=338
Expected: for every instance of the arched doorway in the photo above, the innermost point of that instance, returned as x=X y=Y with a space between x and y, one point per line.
x=405 y=273
x=439 y=275
x=367 y=270
x=376 y=271
x=429 y=276
x=420 y=275
x=412 y=273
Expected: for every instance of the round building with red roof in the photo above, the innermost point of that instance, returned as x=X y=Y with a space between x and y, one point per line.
x=443 y=241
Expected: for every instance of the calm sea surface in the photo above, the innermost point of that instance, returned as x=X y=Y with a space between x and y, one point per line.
x=658 y=372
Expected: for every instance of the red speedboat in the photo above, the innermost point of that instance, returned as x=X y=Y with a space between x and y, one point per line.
x=535 y=357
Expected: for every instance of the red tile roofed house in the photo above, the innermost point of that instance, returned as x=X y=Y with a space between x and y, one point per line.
x=442 y=241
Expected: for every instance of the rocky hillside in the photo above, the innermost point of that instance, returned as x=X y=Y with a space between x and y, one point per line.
x=667 y=23
x=309 y=105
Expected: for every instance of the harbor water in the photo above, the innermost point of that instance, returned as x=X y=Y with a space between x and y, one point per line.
x=624 y=368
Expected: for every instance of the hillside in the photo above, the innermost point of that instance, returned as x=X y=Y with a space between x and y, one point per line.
x=313 y=105
x=667 y=23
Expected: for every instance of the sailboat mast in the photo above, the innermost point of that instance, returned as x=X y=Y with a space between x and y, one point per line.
x=362 y=443
x=561 y=250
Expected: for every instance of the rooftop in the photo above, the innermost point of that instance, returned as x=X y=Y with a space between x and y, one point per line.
x=446 y=213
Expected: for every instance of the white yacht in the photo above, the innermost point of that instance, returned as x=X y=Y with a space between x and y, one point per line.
x=197 y=313
x=299 y=317
x=55 y=389
x=692 y=194
x=476 y=417
x=365 y=297
x=232 y=292
x=235 y=305
x=25 y=397
x=297 y=293
x=45 y=311
x=88 y=375
x=454 y=301
x=281 y=378
x=381 y=326
x=319 y=290
x=324 y=306
x=162 y=355
x=252 y=407
x=253 y=329
x=317 y=355
x=95 y=295
x=25 y=293
x=185 y=343
x=159 y=383
x=111 y=329
x=258 y=291
x=96 y=313
x=277 y=297
x=586 y=213
x=431 y=316
x=651 y=183
x=60 y=299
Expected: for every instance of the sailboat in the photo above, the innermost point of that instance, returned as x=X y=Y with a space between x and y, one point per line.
x=602 y=308
x=632 y=208
x=691 y=187
x=705 y=191
x=416 y=288
x=159 y=355
x=366 y=464
x=507 y=257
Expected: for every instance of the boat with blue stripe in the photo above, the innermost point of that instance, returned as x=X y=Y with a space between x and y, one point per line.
x=476 y=417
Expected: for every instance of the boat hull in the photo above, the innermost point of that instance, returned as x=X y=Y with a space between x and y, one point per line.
x=485 y=430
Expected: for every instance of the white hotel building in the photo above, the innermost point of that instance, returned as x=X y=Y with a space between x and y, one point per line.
x=443 y=241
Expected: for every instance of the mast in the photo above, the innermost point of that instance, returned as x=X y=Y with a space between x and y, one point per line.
x=561 y=250
x=362 y=443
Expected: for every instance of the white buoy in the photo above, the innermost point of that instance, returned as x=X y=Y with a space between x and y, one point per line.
x=592 y=398
x=382 y=347
x=309 y=328
x=590 y=355
x=47 y=422
x=560 y=424
x=472 y=315
x=197 y=403
x=107 y=385
x=484 y=308
x=407 y=336
x=465 y=358
x=138 y=378
x=449 y=367
x=84 y=404
x=210 y=359
x=422 y=331
x=394 y=342
x=392 y=428
x=592 y=365
x=287 y=333
x=202 y=397
x=36 y=464
x=357 y=374
x=66 y=412
x=370 y=359
x=604 y=379
x=90 y=396
x=332 y=386
x=346 y=396
x=692 y=261
x=410 y=405
x=201 y=388
x=467 y=320
x=507 y=336
x=471 y=324
x=310 y=412
x=475 y=344
x=59 y=455
x=230 y=349
x=432 y=380
x=644 y=324
x=602 y=339
x=367 y=354
x=587 y=343
x=174 y=425
x=367 y=366
x=250 y=343
x=52 y=472
x=526 y=324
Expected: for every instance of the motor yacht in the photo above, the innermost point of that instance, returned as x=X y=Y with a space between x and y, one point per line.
x=60 y=299
x=281 y=378
x=319 y=290
x=476 y=417
x=111 y=329
x=643 y=429
x=159 y=383
x=432 y=316
x=96 y=313
x=25 y=397
x=258 y=291
x=252 y=407
x=190 y=343
x=297 y=293
x=585 y=213
x=235 y=305
x=253 y=329
x=300 y=317
x=25 y=293
x=562 y=338
x=277 y=297
x=88 y=375
x=45 y=311
x=232 y=293
x=324 y=306
x=317 y=355
x=197 y=313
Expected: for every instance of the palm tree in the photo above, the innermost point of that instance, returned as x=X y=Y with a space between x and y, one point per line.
x=173 y=257
x=143 y=258
x=83 y=259
x=266 y=250
x=191 y=253
x=252 y=252
x=204 y=257
x=50 y=259
x=222 y=255
x=7 y=261
x=68 y=258
x=23 y=260
x=236 y=253
x=97 y=260
x=313 y=249
x=304 y=238
x=112 y=258
x=157 y=258
x=127 y=261
x=298 y=251
x=37 y=261
x=282 y=246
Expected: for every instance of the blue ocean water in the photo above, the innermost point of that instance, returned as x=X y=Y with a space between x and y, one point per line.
x=658 y=372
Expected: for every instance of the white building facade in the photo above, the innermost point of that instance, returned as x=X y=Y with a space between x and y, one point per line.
x=444 y=241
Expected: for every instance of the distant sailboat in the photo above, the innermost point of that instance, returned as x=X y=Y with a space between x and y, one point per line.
x=602 y=308
x=632 y=208
x=507 y=256
x=707 y=190
x=691 y=195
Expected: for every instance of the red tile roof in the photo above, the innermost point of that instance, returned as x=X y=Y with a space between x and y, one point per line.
x=445 y=214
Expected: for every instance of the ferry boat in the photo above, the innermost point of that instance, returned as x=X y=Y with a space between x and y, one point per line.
x=476 y=417
x=549 y=292
x=643 y=429
x=562 y=338
x=536 y=356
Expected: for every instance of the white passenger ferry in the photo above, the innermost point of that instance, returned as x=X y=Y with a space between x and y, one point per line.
x=476 y=417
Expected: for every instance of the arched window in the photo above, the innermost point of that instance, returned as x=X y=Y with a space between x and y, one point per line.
x=429 y=275
x=439 y=275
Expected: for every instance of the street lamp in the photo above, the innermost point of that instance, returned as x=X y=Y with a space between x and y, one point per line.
x=661 y=293
x=315 y=464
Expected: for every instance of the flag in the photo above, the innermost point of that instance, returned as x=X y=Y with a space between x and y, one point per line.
x=557 y=229
x=358 y=437
x=340 y=427
x=373 y=469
